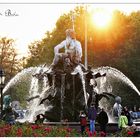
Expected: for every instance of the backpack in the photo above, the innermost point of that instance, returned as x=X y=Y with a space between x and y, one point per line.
x=83 y=121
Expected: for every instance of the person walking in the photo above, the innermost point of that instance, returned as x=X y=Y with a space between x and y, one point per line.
x=103 y=120
x=83 y=121
x=92 y=114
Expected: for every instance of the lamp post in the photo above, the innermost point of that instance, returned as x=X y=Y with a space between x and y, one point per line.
x=86 y=61
x=2 y=80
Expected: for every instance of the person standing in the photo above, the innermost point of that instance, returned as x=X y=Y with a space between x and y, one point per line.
x=92 y=114
x=103 y=120
x=127 y=114
x=83 y=121
x=123 y=121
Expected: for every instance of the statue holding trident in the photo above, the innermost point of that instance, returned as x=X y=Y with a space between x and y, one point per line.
x=73 y=50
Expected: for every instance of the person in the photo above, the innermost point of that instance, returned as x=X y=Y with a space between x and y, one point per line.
x=83 y=121
x=73 y=49
x=103 y=120
x=135 y=115
x=138 y=113
x=135 y=108
x=131 y=115
x=92 y=114
x=123 y=121
x=10 y=115
x=127 y=114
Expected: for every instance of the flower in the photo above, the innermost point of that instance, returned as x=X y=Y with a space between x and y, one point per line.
x=69 y=129
x=90 y=134
x=35 y=127
x=94 y=133
x=102 y=134
x=7 y=129
x=130 y=133
x=87 y=129
x=48 y=129
x=19 y=132
x=2 y=133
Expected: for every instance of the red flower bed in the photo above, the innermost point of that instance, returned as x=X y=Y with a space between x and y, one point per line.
x=28 y=130
x=130 y=133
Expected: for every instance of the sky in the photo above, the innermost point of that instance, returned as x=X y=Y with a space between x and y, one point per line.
x=29 y=22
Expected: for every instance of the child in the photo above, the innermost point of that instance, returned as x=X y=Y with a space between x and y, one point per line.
x=83 y=121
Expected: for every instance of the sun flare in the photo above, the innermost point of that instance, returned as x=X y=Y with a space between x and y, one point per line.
x=101 y=18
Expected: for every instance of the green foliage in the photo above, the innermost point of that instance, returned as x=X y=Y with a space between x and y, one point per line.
x=8 y=57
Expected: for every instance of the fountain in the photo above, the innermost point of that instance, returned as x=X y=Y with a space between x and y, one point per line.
x=66 y=90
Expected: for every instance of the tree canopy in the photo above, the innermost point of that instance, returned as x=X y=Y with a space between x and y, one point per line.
x=8 y=57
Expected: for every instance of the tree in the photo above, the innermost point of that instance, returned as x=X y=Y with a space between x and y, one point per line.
x=8 y=57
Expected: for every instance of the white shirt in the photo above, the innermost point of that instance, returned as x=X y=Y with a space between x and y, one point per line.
x=74 y=44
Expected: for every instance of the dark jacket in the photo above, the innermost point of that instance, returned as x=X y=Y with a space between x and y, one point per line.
x=92 y=113
x=102 y=118
x=127 y=114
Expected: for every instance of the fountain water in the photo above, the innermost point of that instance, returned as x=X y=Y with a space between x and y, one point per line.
x=34 y=105
x=33 y=92
x=114 y=72
x=78 y=69
x=17 y=78
x=62 y=94
x=55 y=98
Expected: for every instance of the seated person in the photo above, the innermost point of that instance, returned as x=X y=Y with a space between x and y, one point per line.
x=73 y=49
